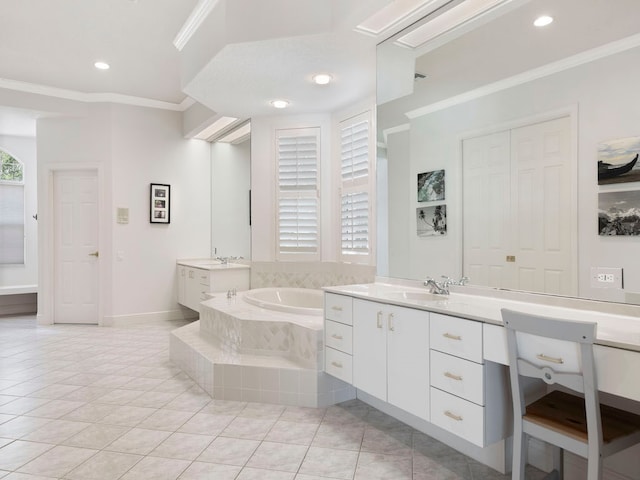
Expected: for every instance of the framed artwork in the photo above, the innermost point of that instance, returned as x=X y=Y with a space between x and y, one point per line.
x=618 y=161
x=160 y=202
x=619 y=213
x=431 y=221
x=431 y=186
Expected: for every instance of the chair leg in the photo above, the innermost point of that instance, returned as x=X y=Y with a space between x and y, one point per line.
x=519 y=453
x=594 y=467
x=558 y=461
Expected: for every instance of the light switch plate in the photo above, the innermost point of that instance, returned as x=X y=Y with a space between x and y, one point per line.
x=606 y=277
x=123 y=215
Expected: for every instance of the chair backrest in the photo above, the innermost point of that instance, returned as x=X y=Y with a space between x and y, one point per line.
x=556 y=351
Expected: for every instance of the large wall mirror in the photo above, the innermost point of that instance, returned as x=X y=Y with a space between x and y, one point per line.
x=490 y=136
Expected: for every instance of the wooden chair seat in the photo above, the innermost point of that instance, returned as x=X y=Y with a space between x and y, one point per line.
x=566 y=414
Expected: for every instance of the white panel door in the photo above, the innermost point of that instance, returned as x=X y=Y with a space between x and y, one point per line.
x=408 y=360
x=75 y=218
x=370 y=348
x=486 y=209
x=519 y=201
x=542 y=196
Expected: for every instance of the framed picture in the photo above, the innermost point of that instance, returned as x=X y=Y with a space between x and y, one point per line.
x=160 y=203
x=618 y=161
x=431 y=186
x=619 y=213
x=431 y=221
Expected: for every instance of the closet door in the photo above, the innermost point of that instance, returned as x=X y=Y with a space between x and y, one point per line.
x=519 y=209
x=542 y=204
x=487 y=210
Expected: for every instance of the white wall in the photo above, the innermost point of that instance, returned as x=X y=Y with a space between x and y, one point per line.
x=604 y=92
x=24 y=278
x=148 y=147
x=230 y=185
x=131 y=147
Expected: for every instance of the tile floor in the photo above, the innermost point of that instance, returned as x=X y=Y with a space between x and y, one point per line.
x=84 y=403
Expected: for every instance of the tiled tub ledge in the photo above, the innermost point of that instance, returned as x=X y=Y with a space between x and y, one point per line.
x=237 y=351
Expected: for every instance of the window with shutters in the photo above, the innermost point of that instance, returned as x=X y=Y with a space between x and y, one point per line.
x=355 y=190
x=11 y=210
x=298 y=224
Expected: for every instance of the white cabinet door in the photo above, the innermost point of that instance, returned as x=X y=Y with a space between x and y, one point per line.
x=192 y=289
x=182 y=285
x=408 y=359
x=391 y=355
x=369 y=348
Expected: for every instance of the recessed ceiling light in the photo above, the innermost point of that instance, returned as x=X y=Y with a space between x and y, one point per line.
x=101 y=65
x=280 y=103
x=543 y=21
x=322 y=78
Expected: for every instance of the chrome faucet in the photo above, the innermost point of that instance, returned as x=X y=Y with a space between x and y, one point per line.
x=223 y=260
x=439 y=288
x=442 y=288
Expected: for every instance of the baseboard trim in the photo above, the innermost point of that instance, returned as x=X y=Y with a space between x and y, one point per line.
x=147 y=318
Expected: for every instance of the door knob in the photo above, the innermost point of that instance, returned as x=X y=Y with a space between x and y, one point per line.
x=94 y=254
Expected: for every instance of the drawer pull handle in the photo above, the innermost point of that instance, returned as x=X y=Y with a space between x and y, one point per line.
x=390 y=322
x=336 y=364
x=379 y=320
x=336 y=336
x=545 y=358
x=449 y=414
x=335 y=308
x=451 y=336
x=453 y=376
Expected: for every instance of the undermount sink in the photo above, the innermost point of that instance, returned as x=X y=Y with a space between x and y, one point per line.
x=415 y=296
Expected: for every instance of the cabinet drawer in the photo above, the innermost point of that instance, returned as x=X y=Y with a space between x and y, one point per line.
x=338 y=336
x=338 y=364
x=203 y=277
x=458 y=416
x=458 y=376
x=457 y=336
x=338 y=308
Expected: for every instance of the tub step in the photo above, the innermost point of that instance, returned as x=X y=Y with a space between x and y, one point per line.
x=255 y=378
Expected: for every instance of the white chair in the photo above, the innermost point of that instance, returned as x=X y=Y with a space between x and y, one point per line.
x=561 y=352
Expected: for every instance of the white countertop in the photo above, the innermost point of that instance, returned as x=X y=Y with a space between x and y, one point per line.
x=620 y=331
x=210 y=264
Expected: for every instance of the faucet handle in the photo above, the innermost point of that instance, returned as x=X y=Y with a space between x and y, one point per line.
x=463 y=281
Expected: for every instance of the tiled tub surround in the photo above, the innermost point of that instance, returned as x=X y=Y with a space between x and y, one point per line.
x=238 y=351
x=309 y=274
x=617 y=355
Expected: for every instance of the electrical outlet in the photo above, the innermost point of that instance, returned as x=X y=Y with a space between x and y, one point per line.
x=605 y=277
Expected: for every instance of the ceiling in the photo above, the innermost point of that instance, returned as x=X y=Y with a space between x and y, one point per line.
x=509 y=45
x=50 y=47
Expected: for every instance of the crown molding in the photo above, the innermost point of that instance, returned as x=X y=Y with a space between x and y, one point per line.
x=405 y=127
x=198 y=15
x=93 y=97
x=582 y=58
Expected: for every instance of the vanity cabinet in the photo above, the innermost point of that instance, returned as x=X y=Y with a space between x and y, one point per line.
x=469 y=397
x=338 y=336
x=391 y=354
x=195 y=283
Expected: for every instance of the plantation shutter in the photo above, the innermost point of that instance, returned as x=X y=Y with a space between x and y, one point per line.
x=355 y=223
x=354 y=159
x=11 y=223
x=298 y=185
x=355 y=169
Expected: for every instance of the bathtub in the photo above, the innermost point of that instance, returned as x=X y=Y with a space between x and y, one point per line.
x=305 y=301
